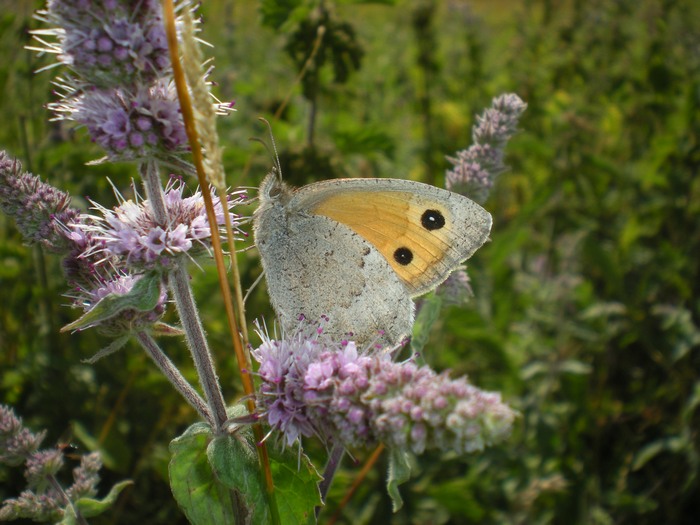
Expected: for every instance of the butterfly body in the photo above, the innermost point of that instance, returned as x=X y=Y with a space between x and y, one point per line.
x=358 y=250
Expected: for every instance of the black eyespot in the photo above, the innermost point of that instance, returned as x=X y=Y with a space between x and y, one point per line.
x=403 y=256
x=432 y=220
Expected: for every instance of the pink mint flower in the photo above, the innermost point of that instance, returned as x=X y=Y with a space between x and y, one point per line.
x=311 y=385
x=44 y=501
x=107 y=43
x=129 y=233
x=129 y=124
x=37 y=207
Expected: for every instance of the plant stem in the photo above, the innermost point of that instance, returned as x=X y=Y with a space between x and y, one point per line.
x=192 y=324
x=57 y=486
x=187 y=309
x=334 y=460
x=170 y=371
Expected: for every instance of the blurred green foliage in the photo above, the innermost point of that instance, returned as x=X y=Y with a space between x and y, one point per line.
x=587 y=301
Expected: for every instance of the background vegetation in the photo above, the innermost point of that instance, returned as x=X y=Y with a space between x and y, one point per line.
x=587 y=301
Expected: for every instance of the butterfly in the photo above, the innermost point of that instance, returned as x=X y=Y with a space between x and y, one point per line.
x=357 y=251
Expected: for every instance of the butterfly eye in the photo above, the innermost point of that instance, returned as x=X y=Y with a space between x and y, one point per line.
x=403 y=256
x=432 y=220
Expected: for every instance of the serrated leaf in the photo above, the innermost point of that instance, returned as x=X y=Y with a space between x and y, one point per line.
x=143 y=297
x=399 y=472
x=198 y=492
x=296 y=486
x=235 y=462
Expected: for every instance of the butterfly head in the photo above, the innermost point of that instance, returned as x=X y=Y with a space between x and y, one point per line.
x=274 y=190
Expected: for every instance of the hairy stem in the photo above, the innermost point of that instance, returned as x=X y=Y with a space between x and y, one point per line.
x=187 y=309
x=170 y=371
x=334 y=460
x=80 y=519
x=197 y=342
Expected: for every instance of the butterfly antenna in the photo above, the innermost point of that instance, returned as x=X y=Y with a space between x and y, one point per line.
x=278 y=166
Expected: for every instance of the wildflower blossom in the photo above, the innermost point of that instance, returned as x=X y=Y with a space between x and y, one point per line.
x=314 y=386
x=120 y=317
x=108 y=42
x=131 y=233
x=129 y=124
x=475 y=168
x=79 y=268
x=45 y=501
x=41 y=465
x=85 y=477
x=16 y=442
x=36 y=206
x=46 y=507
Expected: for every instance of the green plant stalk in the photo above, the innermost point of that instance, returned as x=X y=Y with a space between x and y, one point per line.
x=170 y=371
x=179 y=281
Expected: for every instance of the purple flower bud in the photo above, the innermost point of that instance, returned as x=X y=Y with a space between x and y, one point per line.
x=41 y=465
x=85 y=477
x=38 y=208
x=475 y=168
x=44 y=503
x=16 y=442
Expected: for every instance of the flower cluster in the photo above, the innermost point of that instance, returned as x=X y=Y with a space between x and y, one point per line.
x=129 y=124
x=16 y=442
x=475 y=168
x=110 y=42
x=37 y=207
x=119 y=87
x=43 y=501
x=121 y=318
x=314 y=386
x=131 y=233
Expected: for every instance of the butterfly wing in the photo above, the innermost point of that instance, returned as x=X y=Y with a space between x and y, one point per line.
x=316 y=266
x=423 y=232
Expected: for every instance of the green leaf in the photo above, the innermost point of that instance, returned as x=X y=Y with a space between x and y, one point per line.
x=399 y=472
x=114 y=346
x=142 y=297
x=161 y=329
x=235 y=463
x=429 y=313
x=296 y=486
x=275 y=13
x=573 y=366
x=673 y=444
x=364 y=139
x=203 y=499
x=369 y=2
x=90 y=507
